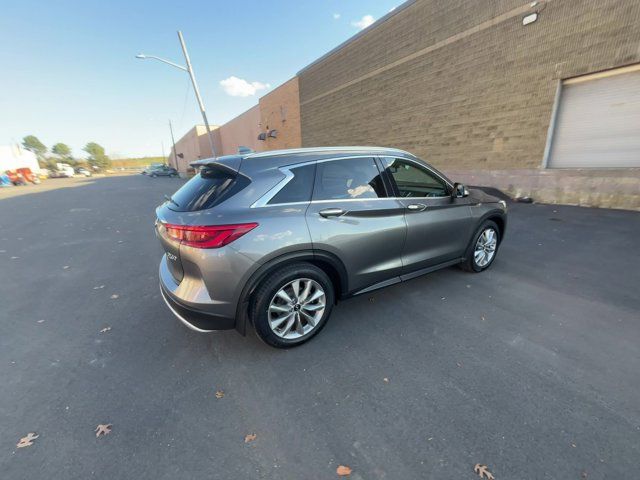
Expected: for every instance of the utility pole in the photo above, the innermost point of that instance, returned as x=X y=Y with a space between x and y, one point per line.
x=189 y=70
x=163 y=157
x=195 y=88
x=175 y=154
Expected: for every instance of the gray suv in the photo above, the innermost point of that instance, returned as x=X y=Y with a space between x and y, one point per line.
x=276 y=238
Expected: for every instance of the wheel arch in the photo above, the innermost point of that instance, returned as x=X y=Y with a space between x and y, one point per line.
x=326 y=261
x=500 y=220
x=496 y=216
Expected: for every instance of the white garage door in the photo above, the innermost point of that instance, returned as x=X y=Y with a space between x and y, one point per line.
x=598 y=122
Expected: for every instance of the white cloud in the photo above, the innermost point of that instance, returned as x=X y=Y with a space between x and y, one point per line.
x=238 y=87
x=336 y=16
x=364 y=22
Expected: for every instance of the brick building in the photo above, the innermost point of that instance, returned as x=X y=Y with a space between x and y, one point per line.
x=535 y=98
x=194 y=145
x=273 y=123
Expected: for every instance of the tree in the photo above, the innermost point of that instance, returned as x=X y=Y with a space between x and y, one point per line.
x=33 y=144
x=62 y=150
x=97 y=157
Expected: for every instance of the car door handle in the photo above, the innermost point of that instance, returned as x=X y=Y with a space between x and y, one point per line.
x=416 y=207
x=331 y=212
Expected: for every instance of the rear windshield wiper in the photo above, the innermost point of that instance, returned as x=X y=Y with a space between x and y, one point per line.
x=171 y=200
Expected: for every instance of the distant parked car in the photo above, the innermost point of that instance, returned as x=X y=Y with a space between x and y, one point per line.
x=163 y=171
x=83 y=171
x=153 y=166
x=63 y=171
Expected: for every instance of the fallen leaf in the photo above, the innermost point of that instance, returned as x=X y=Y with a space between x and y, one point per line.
x=40 y=321
x=66 y=267
x=219 y=394
x=103 y=429
x=98 y=288
x=105 y=329
x=250 y=438
x=583 y=474
x=385 y=380
x=27 y=441
x=114 y=296
x=482 y=472
x=343 y=471
x=573 y=445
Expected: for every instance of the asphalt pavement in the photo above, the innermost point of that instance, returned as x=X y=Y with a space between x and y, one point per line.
x=532 y=367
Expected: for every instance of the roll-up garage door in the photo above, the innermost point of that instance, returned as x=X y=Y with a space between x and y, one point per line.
x=598 y=121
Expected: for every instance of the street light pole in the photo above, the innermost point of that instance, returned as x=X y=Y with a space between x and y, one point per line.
x=189 y=70
x=175 y=154
x=195 y=88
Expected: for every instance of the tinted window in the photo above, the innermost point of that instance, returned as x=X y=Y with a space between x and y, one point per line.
x=205 y=190
x=415 y=181
x=299 y=188
x=344 y=179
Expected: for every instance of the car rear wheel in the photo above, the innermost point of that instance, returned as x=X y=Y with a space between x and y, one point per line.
x=292 y=305
x=483 y=249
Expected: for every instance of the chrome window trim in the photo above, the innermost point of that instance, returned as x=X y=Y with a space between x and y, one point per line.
x=272 y=192
x=263 y=201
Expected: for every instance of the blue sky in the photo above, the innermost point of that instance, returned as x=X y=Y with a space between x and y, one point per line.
x=69 y=73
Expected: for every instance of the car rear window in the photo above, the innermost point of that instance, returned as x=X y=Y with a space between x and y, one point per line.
x=207 y=189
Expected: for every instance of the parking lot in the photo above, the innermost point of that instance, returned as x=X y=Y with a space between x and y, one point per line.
x=531 y=368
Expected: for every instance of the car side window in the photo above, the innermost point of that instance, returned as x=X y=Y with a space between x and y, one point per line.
x=414 y=181
x=348 y=179
x=299 y=188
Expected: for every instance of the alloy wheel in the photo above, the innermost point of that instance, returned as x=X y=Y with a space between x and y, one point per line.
x=296 y=308
x=485 y=248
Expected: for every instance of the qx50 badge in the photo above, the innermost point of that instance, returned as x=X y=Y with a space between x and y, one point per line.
x=172 y=257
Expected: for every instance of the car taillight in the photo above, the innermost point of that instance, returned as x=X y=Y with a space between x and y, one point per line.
x=210 y=236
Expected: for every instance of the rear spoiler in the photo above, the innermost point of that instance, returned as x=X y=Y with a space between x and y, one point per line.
x=228 y=164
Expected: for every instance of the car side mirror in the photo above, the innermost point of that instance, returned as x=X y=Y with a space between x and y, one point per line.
x=459 y=191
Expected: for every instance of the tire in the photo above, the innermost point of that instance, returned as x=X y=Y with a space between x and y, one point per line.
x=477 y=263
x=153 y=175
x=305 y=319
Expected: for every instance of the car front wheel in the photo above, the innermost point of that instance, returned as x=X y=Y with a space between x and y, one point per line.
x=292 y=305
x=483 y=248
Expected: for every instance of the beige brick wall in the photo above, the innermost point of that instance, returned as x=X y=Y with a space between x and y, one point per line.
x=194 y=145
x=463 y=83
x=280 y=110
x=243 y=131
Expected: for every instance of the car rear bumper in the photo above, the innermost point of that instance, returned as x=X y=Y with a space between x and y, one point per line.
x=195 y=320
x=191 y=304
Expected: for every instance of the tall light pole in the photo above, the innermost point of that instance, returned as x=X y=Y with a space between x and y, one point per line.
x=175 y=153
x=189 y=70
